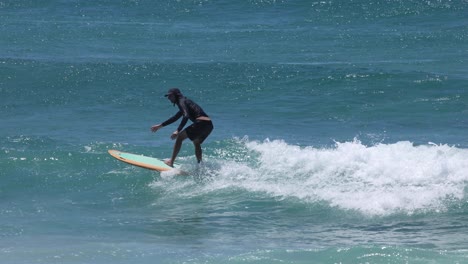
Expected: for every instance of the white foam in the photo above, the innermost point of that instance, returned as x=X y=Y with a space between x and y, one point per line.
x=374 y=180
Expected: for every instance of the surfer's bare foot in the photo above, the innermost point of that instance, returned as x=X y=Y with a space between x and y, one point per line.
x=169 y=163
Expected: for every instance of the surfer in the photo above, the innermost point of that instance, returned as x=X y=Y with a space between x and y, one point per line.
x=196 y=132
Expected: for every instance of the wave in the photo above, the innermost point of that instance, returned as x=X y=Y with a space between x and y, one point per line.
x=376 y=180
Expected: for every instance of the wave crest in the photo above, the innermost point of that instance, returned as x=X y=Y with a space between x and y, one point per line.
x=375 y=180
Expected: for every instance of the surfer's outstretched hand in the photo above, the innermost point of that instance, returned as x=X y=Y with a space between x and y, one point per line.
x=156 y=127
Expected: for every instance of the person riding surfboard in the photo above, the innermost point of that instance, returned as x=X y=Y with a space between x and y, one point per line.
x=197 y=132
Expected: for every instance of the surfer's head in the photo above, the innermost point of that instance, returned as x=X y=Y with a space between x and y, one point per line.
x=173 y=91
x=173 y=95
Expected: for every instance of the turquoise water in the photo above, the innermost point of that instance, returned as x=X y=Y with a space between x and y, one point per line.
x=340 y=131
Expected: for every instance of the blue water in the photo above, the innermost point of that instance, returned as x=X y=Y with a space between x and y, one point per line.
x=340 y=131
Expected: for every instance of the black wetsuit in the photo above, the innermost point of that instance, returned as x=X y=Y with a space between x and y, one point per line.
x=188 y=109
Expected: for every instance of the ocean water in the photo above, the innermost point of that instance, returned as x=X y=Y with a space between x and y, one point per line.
x=340 y=131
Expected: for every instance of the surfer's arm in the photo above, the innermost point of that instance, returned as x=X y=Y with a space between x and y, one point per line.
x=182 y=123
x=156 y=127
x=167 y=122
x=184 y=111
x=172 y=119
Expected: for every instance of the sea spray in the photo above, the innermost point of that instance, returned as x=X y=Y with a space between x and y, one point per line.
x=376 y=180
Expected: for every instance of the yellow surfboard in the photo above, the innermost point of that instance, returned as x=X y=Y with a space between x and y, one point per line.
x=141 y=161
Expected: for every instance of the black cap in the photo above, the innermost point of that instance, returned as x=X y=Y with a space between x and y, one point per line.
x=174 y=91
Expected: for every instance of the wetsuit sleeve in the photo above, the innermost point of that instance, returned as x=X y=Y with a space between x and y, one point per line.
x=182 y=123
x=184 y=111
x=172 y=119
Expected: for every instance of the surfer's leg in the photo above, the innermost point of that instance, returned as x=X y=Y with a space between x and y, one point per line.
x=178 y=144
x=198 y=132
x=198 y=150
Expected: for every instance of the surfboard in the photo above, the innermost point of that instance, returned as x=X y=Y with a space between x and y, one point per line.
x=141 y=160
